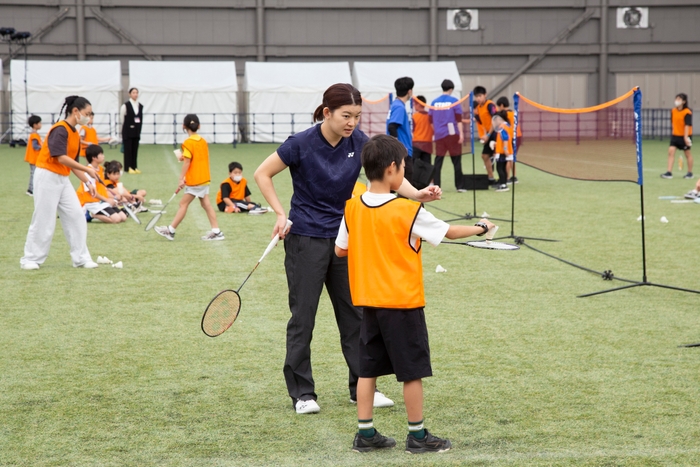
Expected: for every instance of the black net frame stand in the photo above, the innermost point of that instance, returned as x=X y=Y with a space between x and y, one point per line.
x=519 y=239
x=608 y=274
x=644 y=281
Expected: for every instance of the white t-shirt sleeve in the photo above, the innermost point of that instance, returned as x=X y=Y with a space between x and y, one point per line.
x=342 y=240
x=429 y=228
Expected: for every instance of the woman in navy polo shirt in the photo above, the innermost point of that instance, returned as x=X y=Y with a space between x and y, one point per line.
x=324 y=162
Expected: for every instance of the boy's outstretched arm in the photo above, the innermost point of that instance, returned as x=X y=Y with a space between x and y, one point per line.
x=463 y=231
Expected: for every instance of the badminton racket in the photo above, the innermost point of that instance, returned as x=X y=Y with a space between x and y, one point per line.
x=489 y=244
x=223 y=309
x=157 y=217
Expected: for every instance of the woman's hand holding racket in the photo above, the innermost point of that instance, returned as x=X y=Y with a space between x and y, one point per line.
x=282 y=227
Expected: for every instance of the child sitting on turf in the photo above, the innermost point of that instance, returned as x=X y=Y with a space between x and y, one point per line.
x=393 y=333
x=113 y=173
x=233 y=194
x=33 y=149
x=195 y=177
x=88 y=135
x=102 y=206
x=502 y=147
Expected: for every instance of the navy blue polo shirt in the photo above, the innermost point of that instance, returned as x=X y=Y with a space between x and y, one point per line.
x=323 y=177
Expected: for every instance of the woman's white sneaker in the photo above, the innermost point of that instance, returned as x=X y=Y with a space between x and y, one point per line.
x=307 y=406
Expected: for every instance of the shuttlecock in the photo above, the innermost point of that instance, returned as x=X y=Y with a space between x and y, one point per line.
x=118 y=265
x=640 y=218
x=664 y=220
x=440 y=269
x=103 y=260
x=155 y=201
x=485 y=214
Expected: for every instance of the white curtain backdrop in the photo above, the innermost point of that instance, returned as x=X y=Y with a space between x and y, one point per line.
x=48 y=83
x=282 y=96
x=171 y=90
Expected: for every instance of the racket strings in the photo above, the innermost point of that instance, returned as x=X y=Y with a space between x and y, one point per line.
x=221 y=313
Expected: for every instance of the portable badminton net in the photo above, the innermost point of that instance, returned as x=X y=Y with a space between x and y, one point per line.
x=599 y=143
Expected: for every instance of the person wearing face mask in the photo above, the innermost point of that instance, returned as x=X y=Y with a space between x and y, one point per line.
x=131 y=114
x=682 y=126
x=234 y=194
x=54 y=194
x=324 y=163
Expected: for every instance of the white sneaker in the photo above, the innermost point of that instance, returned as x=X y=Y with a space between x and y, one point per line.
x=307 y=407
x=211 y=236
x=29 y=266
x=380 y=400
x=88 y=265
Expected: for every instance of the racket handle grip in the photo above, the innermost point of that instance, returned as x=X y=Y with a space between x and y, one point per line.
x=274 y=241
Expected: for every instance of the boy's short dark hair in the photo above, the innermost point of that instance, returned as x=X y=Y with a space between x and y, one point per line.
x=378 y=154
x=479 y=90
x=33 y=120
x=503 y=114
x=235 y=165
x=93 y=151
x=403 y=85
x=447 y=85
x=503 y=100
x=422 y=99
x=113 y=167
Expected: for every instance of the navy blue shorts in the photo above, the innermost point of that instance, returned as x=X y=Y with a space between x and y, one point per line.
x=394 y=341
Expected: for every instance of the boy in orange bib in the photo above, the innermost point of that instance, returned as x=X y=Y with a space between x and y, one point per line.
x=234 y=194
x=386 y=279
x=33 y=149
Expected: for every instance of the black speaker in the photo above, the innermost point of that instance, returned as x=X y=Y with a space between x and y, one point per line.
x=475 y=182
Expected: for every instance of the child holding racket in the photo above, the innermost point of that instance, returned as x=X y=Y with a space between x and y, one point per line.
x=101 y=206
x=195 y=178
x=113 y=173
x=393 y=333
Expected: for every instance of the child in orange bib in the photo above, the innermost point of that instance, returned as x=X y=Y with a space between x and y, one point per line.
x=386 y=278
x=234 y=194
x=88 y=135
x=33 y=149
x=195 y=178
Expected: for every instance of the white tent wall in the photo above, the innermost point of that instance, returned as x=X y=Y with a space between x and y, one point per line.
x=376 y=79
x=48 y=83
x=282 y=96
x=171 y=90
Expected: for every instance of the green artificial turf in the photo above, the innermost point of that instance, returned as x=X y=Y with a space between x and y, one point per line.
x=109 y=367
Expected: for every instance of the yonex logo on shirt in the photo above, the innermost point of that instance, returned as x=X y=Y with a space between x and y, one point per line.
x=351 y=154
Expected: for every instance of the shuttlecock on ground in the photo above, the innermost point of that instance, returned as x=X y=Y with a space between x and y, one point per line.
x=155 y=201
x=103 y=260
x=118 y=265
x=485 y=214
x=440 y=269
x=664 y=220
x=640 y=218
